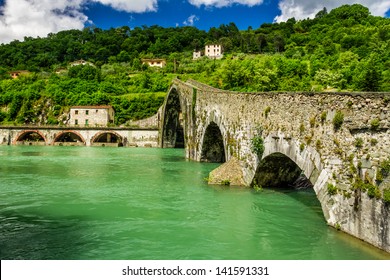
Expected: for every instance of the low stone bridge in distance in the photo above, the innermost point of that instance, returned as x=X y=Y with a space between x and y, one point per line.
x=78 y=136
x=338 y=141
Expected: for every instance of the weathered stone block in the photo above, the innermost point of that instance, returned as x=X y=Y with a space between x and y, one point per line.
x=229 y=173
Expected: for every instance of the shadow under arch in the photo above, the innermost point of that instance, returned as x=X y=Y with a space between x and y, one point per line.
x=213 y=148
x=30 y=136
x=107 y=138
x=71 y=137
x=278 y=171
x=173 y=123
x=305 y=169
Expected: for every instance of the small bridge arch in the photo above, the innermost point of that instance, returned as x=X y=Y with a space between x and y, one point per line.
x=30 y=136
x=107 y=138
x=69 y=137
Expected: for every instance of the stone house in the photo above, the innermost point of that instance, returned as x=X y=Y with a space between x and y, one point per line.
x=210 y=51
x=61 y=70
x=213 y=51
x=154 y=62
x=80 y=62
x=17 y=74
x=91 y=116
x=196 y=54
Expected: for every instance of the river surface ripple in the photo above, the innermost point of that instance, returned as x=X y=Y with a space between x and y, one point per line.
x=152 y=204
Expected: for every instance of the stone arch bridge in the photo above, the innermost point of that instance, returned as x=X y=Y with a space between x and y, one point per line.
x=337 y=140
x=78 y=136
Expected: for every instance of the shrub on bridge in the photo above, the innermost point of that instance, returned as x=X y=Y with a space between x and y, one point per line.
x=372 y=190
x=375 y=124
x=385 y=167
x=359 y=143
x=332 y=190
x=323 y=117
x=386 y=196
x=257 y=142
x=258 y=146
x=338 y=120
x=383 y=171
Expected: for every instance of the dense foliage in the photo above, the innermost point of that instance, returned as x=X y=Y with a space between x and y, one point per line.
x=36 y=99
x=346 y=49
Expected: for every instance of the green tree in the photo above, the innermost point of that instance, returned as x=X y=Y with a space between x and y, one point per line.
x=372 y=78
x=16 y=104
x=85 y=72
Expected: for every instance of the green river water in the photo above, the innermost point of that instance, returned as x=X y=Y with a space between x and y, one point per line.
x=70 y=203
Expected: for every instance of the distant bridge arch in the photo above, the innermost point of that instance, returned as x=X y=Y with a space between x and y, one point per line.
x=69 y=137
x=30 y=136
x=107 y=138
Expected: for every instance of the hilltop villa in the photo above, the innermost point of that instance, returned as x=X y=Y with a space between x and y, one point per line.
x=154 y=62
x=210 y=51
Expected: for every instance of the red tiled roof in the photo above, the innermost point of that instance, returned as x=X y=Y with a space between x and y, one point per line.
x=153 y=60
x=20 y=71
x=93 y=107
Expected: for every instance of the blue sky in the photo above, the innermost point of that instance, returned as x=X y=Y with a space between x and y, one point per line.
x=33 y=18
x=179 y=13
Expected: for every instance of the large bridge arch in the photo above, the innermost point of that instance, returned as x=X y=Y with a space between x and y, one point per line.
x=305 y=157
x=294 y=160
x=278 y=171
x=213 y=147
x=69 y=136
x=32 y=136
x=173 y=128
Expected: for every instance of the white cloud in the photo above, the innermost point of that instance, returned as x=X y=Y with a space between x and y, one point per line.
x=131 y=6
x=301 y=9
x=24 y=18
x=224 y=3
x=191 y=20
x=21 y=18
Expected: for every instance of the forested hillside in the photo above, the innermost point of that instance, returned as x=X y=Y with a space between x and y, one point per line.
x=346 y=49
